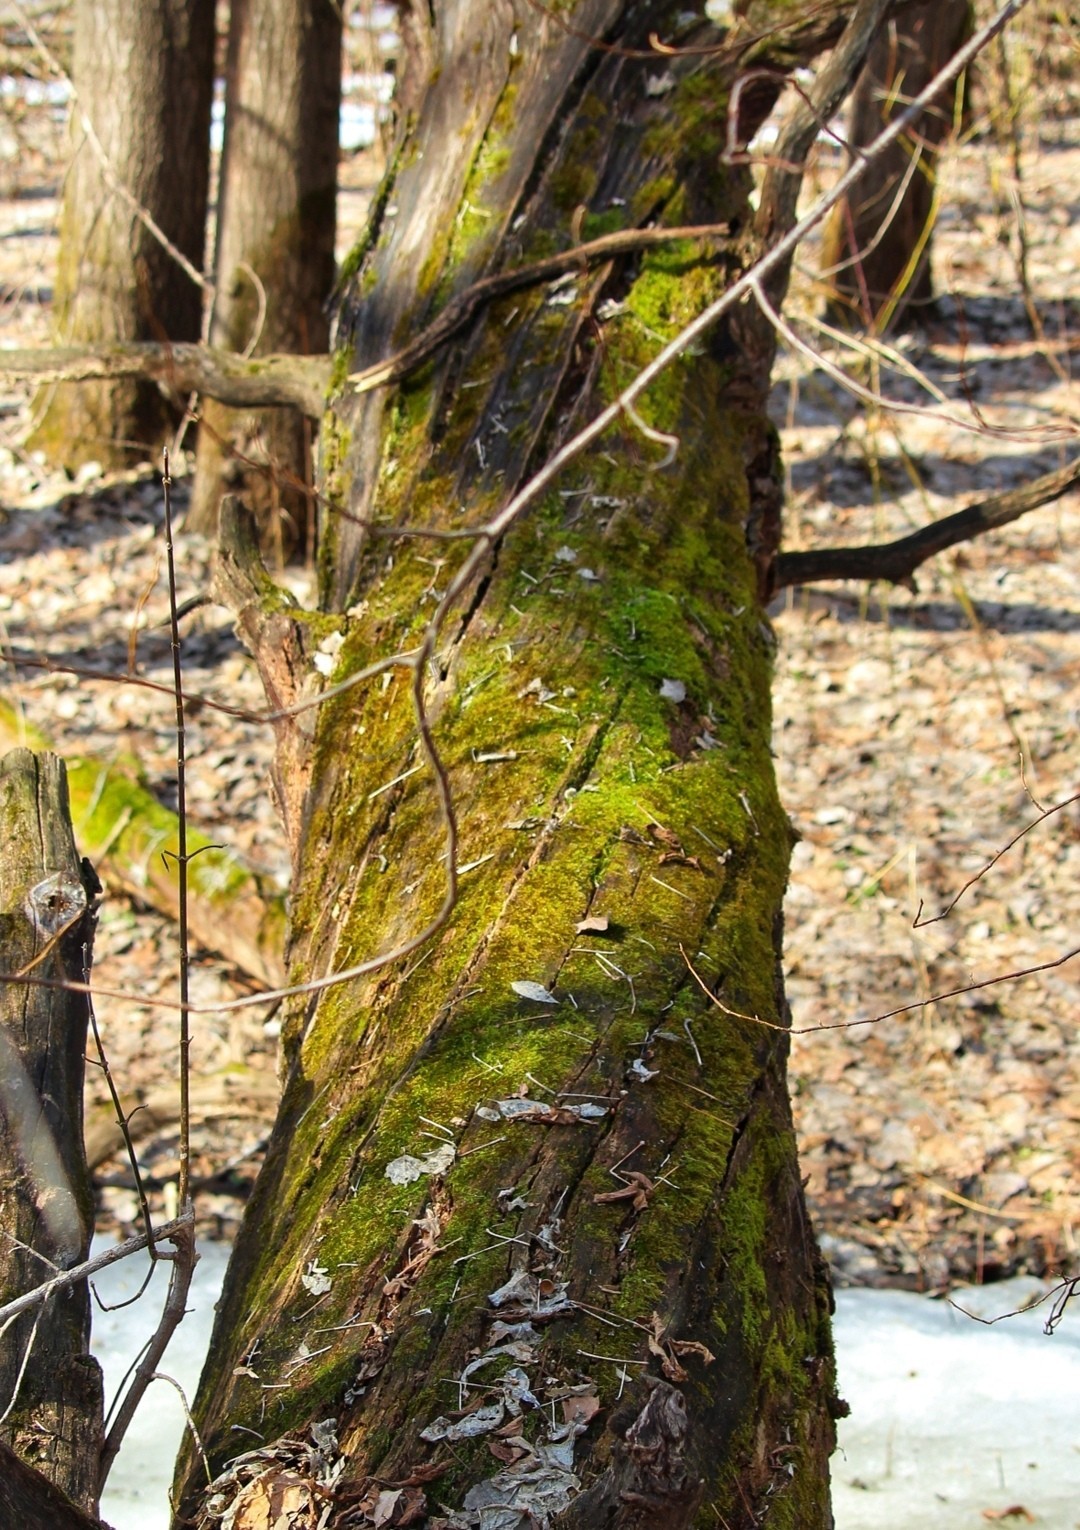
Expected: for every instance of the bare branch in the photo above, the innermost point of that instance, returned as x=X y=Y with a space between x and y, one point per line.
x=80 y=1272
x=299 y=382
x=919 y=922
x=172 y=1315
x=780 y=188
x=889 y=1014
x=897 y=561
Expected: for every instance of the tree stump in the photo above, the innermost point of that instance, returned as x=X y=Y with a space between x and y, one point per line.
x=50 y=1386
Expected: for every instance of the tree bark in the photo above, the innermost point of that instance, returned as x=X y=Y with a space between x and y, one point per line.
x=274 y=263
x=877 y=246
x=50 y=1386
x=32 y=1502
x=143 y=73
x=535 y=1167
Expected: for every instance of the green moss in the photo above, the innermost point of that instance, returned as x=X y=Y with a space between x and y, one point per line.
x=563 y=758
x=650 y=198
x=597 y=224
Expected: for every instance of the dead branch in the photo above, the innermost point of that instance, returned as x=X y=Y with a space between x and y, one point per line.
x=897 y=561
x=299 y=382
x=780 y=188
x=172 y=1315
x=919 y=922
x=80 y=1272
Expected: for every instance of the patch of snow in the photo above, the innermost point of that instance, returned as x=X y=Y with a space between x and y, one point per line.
x=952 y=1420
x=136 y=1496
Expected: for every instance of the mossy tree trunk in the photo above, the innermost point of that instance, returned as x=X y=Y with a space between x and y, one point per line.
x=50 y=1385
x=602 y=1238
x=143 y=71
x=274 y=262
x=877 y=245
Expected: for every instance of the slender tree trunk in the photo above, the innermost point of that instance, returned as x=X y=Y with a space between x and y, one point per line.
x=275 y=250
x=50 y=1386
x=143 y=71
x=877 y=246
x=533 y=1173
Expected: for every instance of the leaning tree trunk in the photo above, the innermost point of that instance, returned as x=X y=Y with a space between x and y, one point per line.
x=275 y=250
x=877 y=244
x=50 y=1385
x=140 y=127
x=533 y=1173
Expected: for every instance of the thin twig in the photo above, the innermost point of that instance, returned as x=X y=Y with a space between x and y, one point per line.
x=457 y=313
x=181 y=855
x=918 y=922
x=901 y=1009
x=80 y=1272
x=122 y=1120
x=172 y=1315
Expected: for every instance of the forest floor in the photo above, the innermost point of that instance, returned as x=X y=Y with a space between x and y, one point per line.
x=916 y=733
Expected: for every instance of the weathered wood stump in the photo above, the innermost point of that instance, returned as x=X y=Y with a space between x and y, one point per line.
x=50 y=1386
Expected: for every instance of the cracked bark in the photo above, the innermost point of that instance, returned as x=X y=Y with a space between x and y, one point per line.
x=583 y=780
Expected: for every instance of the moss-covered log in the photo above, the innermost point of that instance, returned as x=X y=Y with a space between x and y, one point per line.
x=131 y=838
x=49 y=1382
x=530 y=1231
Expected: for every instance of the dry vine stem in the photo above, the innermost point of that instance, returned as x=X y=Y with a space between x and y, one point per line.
x=182 y=1237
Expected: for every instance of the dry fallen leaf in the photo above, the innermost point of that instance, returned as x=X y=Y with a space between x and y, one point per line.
x=678 y=858
x=503 y=1451
x=638 y=1190
x=403 y=1170
x=536 y=992
x=580 y=1409
x=692 y=1347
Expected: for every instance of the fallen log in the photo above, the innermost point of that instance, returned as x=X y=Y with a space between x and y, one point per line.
x=131 y=838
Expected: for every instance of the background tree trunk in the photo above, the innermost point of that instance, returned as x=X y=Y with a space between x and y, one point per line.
x=884 y=278
x=50 y=1386
x=275 y=249
x=144 y=71
x=536 y=1166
